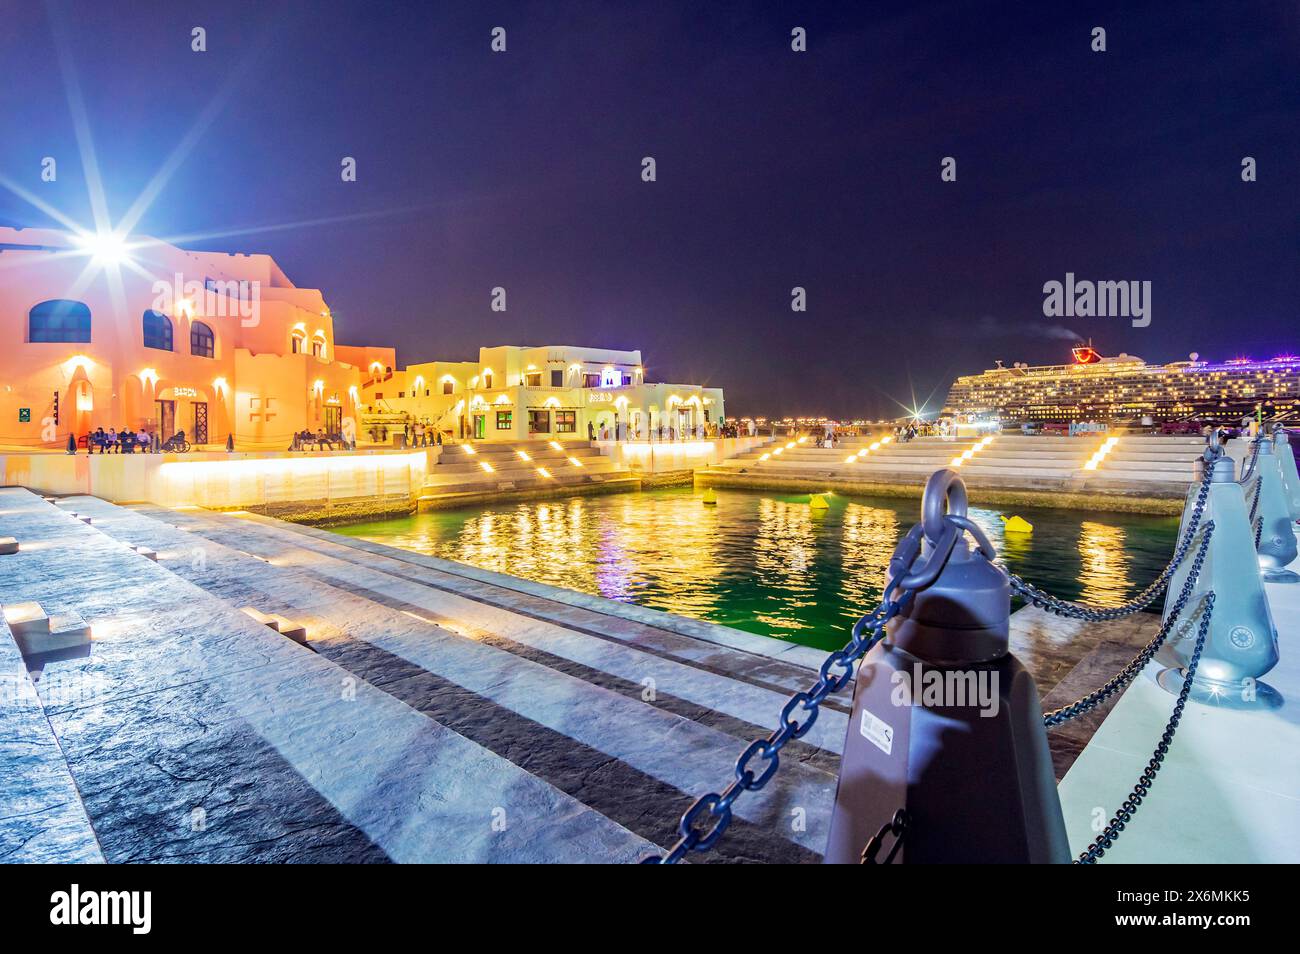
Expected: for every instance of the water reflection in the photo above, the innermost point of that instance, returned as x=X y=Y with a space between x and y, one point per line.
x=866 y=543
x=784 y=549
x=1104 y=573
x=763 y=562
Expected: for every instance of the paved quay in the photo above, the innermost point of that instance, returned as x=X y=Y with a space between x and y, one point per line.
x=1229 y=788
x=437 y=713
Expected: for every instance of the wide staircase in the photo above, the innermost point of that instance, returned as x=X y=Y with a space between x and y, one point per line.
x=467 y=472
x=1147 y=465
x=263 y=692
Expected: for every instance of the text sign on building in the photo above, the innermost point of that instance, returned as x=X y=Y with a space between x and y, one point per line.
x=595 y=397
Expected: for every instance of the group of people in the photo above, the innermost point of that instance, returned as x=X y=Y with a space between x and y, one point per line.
x=419 y=434
x=124 y=441
x=306 y=439
x=623 y=432
x=905 y=432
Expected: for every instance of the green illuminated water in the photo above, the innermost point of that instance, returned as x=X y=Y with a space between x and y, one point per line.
x=765 y=562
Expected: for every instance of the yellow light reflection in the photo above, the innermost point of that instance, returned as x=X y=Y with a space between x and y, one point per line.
x=1104 y=571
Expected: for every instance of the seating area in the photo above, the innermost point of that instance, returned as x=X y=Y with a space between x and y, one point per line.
x=466 y=472
x=1155 y=466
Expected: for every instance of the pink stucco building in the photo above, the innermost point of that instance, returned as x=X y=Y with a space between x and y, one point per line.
x=143 y=334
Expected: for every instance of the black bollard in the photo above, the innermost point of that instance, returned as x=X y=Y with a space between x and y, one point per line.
x=72 y=444
x=230 y=443
x=946 y=757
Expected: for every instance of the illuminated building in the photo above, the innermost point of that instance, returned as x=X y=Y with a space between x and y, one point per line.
x=114 y=332
x=1126 y=390
x=550 y=392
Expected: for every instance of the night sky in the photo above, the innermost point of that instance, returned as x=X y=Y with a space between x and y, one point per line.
x=775 y=169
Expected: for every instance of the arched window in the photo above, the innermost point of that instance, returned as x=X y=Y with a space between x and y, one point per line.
x=447 y=387
x=318 y=347
x=157 y=330
x=202 y=343
x=59 y=320
x=299 y=339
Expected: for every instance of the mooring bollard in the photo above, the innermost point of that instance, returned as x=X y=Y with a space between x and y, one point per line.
x=1290 y=478
x=1241 y=645
x=946 y=756
x=1277 y=543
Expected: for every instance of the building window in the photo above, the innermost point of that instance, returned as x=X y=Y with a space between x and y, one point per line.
x=557 y=379
x=505 y=420
x=157 y=330
x=609 y=378
x=591 y=380
x=401 y=394
x=539 y=421
x=487 y=379
x=447 y=386
x=318 y=348
x=533 y=379
x=627 y=380
x=566 y=422
x=298 y=342
x=202 y=342
x=59 y=320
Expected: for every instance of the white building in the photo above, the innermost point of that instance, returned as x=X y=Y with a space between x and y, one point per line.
x=553 y=392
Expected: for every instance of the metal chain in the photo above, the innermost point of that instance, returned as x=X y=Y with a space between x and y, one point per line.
x=1259 y=532
x=867 y=631
x=1137 y=663
x=1254 y=502
x=1054 y=604
x=1254 y=456
x=1142 y=788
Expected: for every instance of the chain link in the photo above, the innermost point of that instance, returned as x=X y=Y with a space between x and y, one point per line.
x=1142 y=788
x=705 y=822
x=1137 y=663
x=1254 y=457
x=714 y=808
x=1254 y=501
x=1093 y=614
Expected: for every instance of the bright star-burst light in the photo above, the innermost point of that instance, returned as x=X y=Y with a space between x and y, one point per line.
x=105 y=248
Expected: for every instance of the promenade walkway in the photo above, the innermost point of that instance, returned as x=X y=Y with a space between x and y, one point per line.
x=1229 y=790
x=437 y=712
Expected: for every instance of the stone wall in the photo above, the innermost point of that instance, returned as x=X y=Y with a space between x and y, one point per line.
x=312 y=486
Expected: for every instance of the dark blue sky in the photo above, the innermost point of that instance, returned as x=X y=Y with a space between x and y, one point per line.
x=775 y=169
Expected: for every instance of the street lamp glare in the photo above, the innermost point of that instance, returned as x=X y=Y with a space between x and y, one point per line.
x=105 y=248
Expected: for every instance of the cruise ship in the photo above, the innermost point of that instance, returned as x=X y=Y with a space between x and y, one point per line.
x=1124 y=389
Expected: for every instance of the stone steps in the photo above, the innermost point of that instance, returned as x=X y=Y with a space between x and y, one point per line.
x=463 y=693
x=1157 y=464
x=193 y=700
x=512 y=468
x=42 y=819
x=37 y=633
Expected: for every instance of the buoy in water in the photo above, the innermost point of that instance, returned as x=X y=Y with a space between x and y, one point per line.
x=710 y=499
x=1017 y=525
x=818 y=502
